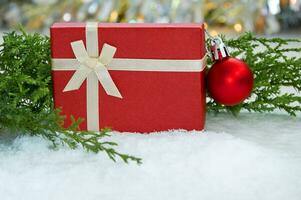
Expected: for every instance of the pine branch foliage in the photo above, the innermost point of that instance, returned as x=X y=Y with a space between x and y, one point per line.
x=275 y=65
x=26 y=103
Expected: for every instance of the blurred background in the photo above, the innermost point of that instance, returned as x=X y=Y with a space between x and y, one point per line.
x=230 y=17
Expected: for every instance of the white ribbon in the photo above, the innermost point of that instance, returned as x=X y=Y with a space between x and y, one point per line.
x=94 y=68
x=93 y=65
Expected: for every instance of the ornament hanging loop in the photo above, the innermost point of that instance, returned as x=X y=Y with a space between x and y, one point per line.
x=218 y=50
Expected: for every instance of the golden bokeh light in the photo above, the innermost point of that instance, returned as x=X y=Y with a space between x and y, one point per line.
x=238 y=27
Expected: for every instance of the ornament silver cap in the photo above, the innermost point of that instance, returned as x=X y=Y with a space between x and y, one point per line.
x=218 y=49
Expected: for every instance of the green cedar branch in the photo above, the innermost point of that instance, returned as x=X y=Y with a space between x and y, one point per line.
x=26 y=103
x=274 y=67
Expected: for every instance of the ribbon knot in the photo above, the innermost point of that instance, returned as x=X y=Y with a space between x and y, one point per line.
x=93 y=65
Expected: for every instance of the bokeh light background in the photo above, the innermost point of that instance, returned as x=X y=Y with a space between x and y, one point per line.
x=221 y=16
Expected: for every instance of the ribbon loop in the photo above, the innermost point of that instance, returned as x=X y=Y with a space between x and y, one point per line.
x=97 y=65
x=107 y=53
x=79 y=51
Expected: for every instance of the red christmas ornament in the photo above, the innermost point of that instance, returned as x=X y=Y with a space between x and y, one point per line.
x=229 y=80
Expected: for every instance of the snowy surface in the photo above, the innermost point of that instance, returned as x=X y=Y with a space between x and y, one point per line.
x=255 y=156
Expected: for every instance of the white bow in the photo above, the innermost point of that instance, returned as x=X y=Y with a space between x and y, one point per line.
x=89 y=65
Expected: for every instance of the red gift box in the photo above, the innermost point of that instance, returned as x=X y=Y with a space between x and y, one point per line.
x=130 y=77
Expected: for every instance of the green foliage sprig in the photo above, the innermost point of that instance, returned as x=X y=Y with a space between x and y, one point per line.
x=274 y=67
x=26 y=103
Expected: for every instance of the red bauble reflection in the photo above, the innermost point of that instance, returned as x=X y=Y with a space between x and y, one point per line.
x=229 y=81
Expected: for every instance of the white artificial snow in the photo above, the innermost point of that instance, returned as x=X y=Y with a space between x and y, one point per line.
x=255 y=156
